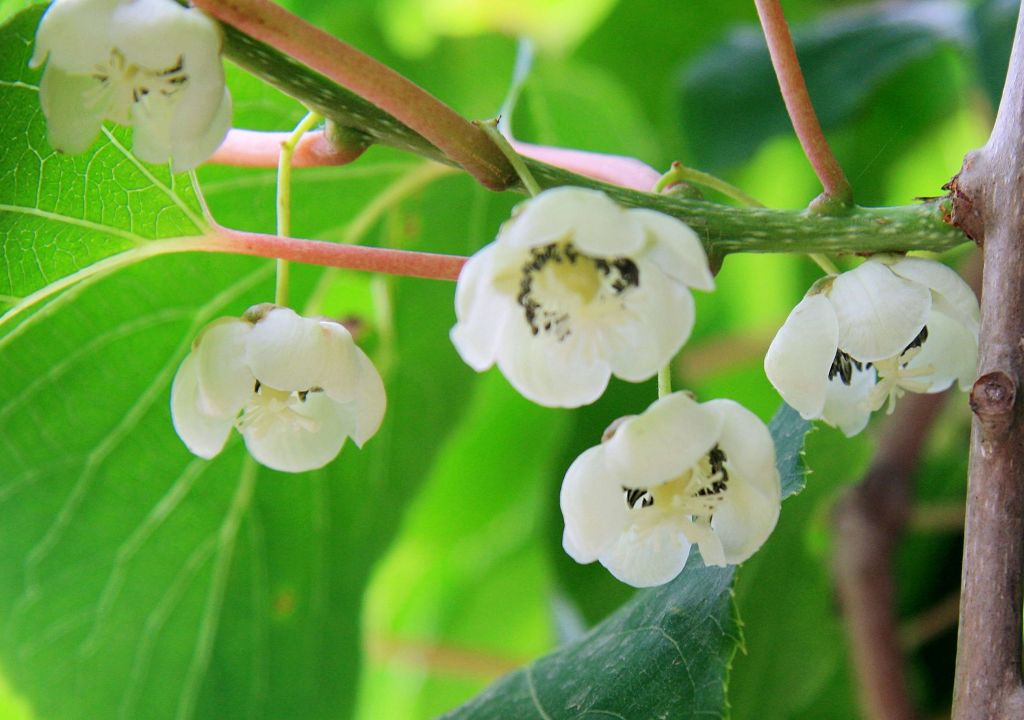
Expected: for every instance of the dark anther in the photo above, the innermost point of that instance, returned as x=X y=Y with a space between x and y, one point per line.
x=256 y=387
x=717 y=460
x=843 y=366
x=303 y=394
x=917 y=341
x=638 y=497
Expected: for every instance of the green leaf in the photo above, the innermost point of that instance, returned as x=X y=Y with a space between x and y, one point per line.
x=59 y=214
x=665 y=653
x=730 y=98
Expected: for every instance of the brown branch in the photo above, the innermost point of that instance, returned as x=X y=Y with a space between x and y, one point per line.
x=869 y=522
x=798 y=102
x=989 y=203
x=461 y=141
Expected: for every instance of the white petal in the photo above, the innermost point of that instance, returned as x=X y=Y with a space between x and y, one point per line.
x=847 y=406
x=203 y=434
x=156 y=33
x=648 y=557
x=550 y=372
x=71 y=124
x=878 y=312
x=951 y=350
x=669 y=437
x=293 y=447
x=676 y=249
x=798 y=360
x=224 y=381
x=480 y=311
x=75 y=34
x=657 y=320
x=955 y=297
x=592 y=221
x=192 y=144
x=744 y=521
x=370 y=399
x=289 y=352
x=748 y=447
x=593 y=506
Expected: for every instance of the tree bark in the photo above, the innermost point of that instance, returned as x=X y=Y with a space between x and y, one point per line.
x=989 y=206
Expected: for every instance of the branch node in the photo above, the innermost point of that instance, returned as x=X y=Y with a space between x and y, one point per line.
x=965 y=213
x=992 y=400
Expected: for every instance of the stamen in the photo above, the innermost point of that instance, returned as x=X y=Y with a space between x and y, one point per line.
x=638 y=496
x=843 y=366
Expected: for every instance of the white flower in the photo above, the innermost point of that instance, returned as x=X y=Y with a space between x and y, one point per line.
x=858 y=341
x=152 y=64
x=574 y=289
x=295 y=388
x=681 y=473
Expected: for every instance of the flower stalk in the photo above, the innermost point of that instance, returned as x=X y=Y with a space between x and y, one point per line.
x=284 y=199
x=798 y=102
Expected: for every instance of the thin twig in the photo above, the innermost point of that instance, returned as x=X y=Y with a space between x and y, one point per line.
x=798 y=102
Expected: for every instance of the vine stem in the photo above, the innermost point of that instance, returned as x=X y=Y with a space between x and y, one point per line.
x=284 y=200
x=798 y=102
x=461 y=141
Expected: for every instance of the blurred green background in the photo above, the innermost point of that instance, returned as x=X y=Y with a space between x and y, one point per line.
x=436 y=552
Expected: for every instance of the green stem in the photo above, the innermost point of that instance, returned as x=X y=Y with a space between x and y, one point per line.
x=824 y=262
x=665 y=381
x=515 y=159
x=680 y=173
x=284 y=199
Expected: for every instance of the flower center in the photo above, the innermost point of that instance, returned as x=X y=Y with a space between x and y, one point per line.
x=559 y=282
x=269 y=407
x=122 y=84
x=697 y=492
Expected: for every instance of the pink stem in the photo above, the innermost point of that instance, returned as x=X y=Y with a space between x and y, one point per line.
x=467 y=145
x=353 y=257
x=798 y=102
x=252 y=148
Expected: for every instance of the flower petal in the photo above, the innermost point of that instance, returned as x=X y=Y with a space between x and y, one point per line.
x=744 y=521
x=72 y=125
x=657 y=319
x=290 y=446
x=224 y=381
x=203 y=434
x=554 y=373
x=192 y=143
x=951 y=350
x=649 y=557
x=669 y=437
x=75 y=35
x=480 y=310
x=593 y=506
x=798 y=360
x=878 y=312
x=289 y=352
x=155 y=34
x=675 y=248
x=748 y=447
x=592 y=221
x=370 y=399
x=955 y=297
x=847 y=406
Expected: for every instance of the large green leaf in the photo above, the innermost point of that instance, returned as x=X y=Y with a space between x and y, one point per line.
x=136 y=579
x=665 y=653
